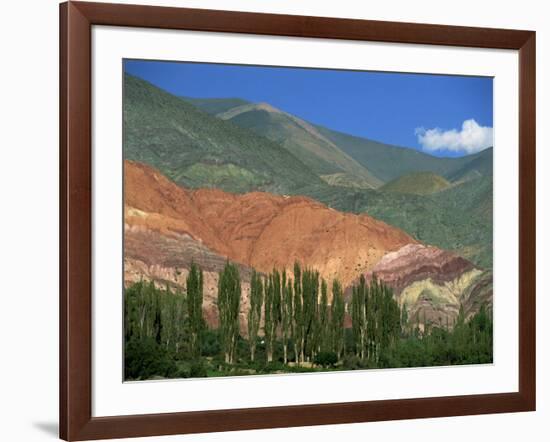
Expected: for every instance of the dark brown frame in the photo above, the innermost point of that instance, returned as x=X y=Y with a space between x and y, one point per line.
x=76 y=421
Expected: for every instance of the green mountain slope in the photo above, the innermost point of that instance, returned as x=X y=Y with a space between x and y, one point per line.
x=418 y=183
x=215 y=106
x=322 y=149
x=390 y=162
x=458 y=218
x=480 y=164
x=300 y=138
x=196 y=149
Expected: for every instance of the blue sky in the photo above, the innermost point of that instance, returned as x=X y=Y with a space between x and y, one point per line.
x=441 y=115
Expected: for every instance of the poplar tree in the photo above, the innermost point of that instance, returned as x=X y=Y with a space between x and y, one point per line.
x=310 y=289
x=298 y=335
x=178 y=317
x=194 y=308
x=169 y=318
x=286 y=314
x=271 y=314
x=157 y=321
x=229 y=298
x=375 y=319
x=255 y=311
x=337 y=319
x=323 y=322
x=405 y=319
x=359 y=302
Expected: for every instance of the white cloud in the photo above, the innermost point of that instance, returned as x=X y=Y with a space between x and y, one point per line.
x=472 y=138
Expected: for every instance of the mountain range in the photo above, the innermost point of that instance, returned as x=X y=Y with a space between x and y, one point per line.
x=208 y=180
x=195 y=149
x=167 y=227
x=327 y=151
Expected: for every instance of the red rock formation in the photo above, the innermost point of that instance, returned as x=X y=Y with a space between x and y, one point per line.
x=434 y=283
x=417 y=262
x=167 y=227
x=258 y=229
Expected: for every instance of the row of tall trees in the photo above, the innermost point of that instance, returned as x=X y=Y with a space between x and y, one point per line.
x=376 y=318
x=296 y=312
x=293 y=317
x=168 y=317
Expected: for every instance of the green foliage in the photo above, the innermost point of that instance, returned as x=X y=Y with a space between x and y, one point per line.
x=287 y=315
x=298 y=332
x=211 y=343
x=154 y=330
x=229 y=301
x=418 y=183
x=469 y=342
x=326 y=359
x=337 y=317
x=376 y=318
x=405 y=320
x=309 y=323
x=323 y=322
x=159 y=330
x=198 y=369
x=272 y=314
x=255 y=311
x=194 y=307
x=145 y=358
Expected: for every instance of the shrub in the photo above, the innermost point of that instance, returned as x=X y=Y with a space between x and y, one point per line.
x=326 y=359
x=144 y=358
x=198 y=369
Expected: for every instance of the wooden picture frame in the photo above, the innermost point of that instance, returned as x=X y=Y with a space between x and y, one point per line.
x=76 y=21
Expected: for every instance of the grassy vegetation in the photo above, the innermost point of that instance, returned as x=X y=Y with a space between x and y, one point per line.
x=215 y=106
x=198 y=150
x=346 y=180
x=418 y=183
x=304 y=141
x=223 y=176
x=382 y=161
x=390 y=162
x=458 y=219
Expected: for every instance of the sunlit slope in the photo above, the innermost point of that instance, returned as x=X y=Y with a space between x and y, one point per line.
x=196 y=149
x=418 y=183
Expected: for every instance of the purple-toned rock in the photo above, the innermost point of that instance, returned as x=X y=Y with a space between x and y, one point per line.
x=432 y=284
x=417 y=262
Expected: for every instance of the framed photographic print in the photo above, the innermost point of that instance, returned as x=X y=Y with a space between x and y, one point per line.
x=272 y=220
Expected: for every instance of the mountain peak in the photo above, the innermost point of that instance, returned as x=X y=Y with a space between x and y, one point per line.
x=267 y=107
x=249 y=107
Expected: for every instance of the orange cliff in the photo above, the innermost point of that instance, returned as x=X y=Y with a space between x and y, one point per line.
x=258 y=229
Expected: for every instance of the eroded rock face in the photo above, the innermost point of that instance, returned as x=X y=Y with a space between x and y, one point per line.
x=417 y=262
x=260 y=230
x=432 y=283
x=168 y=227
x=166 y=260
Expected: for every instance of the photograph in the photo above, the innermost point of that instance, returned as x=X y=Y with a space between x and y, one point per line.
x=286 y=220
